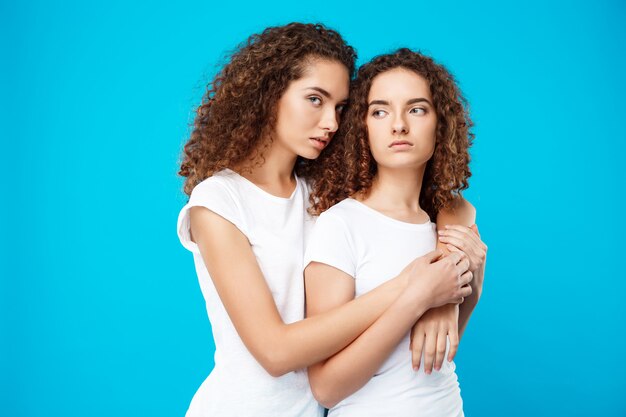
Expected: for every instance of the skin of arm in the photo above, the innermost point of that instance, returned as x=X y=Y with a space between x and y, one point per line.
x=278 y=347
x=463 y=213
x=346 y=372
x=467 y=240
x=429 y=334
x=336 y=378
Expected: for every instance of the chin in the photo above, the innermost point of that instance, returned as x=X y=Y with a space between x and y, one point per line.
x=310 y=154
x=407 y=164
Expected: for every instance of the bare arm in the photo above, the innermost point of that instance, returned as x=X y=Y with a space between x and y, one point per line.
x=326 y=288
x=278 y=347
x=463 y=213
x=467 y=240
x=432 y=331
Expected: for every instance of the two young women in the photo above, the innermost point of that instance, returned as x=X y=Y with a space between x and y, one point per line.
x=255 y=186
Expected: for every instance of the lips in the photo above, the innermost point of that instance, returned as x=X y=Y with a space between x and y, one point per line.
x=320 y=141
x=401 y=144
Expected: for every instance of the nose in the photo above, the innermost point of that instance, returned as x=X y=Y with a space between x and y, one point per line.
x=330 y=122
x=399 y=125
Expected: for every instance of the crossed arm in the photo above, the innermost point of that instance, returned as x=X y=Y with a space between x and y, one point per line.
x=334 y=379
x=278 y=347
x=431 y=331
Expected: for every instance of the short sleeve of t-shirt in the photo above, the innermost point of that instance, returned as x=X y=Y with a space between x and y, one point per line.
x=331 y=244
x=214 y=194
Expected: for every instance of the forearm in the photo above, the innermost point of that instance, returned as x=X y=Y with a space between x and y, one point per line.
x=465 y=311
x=469 y=304
x=303 y=343
x=349 y=370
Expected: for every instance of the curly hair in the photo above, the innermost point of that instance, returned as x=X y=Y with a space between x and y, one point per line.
x=347 y=164
x=239 y=108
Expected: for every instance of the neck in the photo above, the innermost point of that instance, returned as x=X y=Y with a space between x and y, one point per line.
x=395 y=188
x=276 y=167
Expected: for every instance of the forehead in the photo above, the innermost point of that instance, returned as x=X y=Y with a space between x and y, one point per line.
x=399 y=84
x=332 y=76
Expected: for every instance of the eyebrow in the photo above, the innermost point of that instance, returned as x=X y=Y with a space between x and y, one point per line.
x=411 y=101
x=324 y=93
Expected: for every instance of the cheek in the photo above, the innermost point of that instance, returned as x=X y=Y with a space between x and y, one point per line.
x=301 y=115
x=428 y=131
x=287 y=122
x=376 y=142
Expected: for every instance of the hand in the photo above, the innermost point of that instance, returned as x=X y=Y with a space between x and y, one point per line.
x=467 y=240
x=429 y=335
x=437 y=279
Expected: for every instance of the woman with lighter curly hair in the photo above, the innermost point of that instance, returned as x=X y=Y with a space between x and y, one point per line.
x=266 y=117
x=400 y=157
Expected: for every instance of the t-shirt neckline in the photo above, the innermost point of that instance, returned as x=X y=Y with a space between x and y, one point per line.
x=388 y=219
x=265 y=193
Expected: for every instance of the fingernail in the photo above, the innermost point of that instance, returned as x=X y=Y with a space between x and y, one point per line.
x=441 y=232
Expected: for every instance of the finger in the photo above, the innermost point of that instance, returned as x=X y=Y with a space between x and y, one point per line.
x=433 y=256
x=441 y=348
x=430 y=347
x=481 y=244
x=417 y=342
x=477 y=238
x=476 y=254
x=466 y=278
x=453 y=334
x=463 y=266
x=452 y=248
x=467 y=243
x=456 y=257
x=457 y=241
x=468 y=231
x=465 y=291
x=469 y=249
x=462 y=233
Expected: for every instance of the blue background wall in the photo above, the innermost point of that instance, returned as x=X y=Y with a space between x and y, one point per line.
x=100 y=311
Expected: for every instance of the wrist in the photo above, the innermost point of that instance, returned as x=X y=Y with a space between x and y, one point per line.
x=414 y=306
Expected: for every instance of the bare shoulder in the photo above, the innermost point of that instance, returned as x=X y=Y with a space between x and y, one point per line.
x=461 y=212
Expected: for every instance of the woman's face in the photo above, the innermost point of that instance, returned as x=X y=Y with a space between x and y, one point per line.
x=309 y=110
x=401 y=120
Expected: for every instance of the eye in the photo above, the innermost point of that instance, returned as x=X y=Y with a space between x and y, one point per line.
x=315 y=100
x=340 y=108
x=418 y=110
x=379 y=114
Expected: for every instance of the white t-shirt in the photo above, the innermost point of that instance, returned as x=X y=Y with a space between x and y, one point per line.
x=374 y=248
x=276 y=229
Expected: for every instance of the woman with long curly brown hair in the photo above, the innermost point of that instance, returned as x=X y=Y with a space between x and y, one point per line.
x=266 y=117
x=400 y=157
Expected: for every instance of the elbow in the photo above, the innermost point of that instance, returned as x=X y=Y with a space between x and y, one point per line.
x=324 y=394
x=274 y=362
x=275 y=370
x=273 y=353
